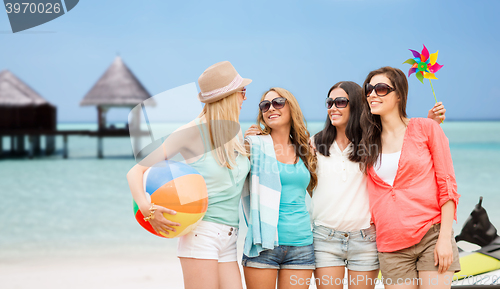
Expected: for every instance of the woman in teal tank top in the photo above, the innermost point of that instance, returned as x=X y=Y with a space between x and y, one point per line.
x=292 y=261
x=207 y=253
x=224 y=186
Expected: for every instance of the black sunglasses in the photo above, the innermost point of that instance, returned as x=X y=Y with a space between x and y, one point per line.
x=340 y=102
x=278 y=103
x=381 y=89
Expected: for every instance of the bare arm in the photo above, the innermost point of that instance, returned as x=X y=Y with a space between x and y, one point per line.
x=173 y=145
x=443 y=253
x=447 y=194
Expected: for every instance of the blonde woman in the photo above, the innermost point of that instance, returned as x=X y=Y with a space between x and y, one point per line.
x=279 y=242
x=208 y=253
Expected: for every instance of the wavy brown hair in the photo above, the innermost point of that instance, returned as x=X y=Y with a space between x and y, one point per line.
x=298 y=133
x=372 y=139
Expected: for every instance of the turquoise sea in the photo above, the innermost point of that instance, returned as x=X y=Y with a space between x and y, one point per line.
x=82 y=205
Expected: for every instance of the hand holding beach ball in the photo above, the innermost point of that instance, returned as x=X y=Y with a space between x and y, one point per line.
x=158 y=221
x=178 y=187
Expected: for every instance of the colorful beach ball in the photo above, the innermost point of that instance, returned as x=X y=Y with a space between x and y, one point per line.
x=178 y=187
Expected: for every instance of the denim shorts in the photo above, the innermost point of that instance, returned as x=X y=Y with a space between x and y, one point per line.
x=283 y=257
x=356 y=250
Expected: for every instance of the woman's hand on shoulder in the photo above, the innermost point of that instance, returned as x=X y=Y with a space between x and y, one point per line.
x=437 y=113
x=253 y=130
x=312 y=145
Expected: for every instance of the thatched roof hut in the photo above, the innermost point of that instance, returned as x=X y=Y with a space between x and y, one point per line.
x=117 y=87
x=21 y=107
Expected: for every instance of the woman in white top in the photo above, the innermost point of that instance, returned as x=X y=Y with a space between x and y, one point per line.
x=344 y=236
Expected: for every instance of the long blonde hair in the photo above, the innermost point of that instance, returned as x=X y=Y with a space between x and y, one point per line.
x=222 y=116
x=298 y=133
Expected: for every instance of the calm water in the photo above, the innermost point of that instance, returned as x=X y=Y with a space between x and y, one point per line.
x=82 y=204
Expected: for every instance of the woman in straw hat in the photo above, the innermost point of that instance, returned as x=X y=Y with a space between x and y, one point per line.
x=279 y=242
x=208 y=253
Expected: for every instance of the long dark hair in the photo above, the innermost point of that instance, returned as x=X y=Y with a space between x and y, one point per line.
x=324 y=139
x=372 y=140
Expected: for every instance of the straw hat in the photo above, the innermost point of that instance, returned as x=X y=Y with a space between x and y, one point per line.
x=218 y=81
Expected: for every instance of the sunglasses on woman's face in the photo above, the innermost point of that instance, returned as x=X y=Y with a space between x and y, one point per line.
x=340 y=102
x=381 y=89
x=243 y=91
x=277 y=103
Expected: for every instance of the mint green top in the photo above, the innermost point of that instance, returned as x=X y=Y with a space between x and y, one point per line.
x=224 y=186
x=294 y=225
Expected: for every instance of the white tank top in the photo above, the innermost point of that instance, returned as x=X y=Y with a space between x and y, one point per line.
x=340 y=201
x=387 y=166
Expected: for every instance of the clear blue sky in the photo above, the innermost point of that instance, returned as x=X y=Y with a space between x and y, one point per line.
x=303 y=46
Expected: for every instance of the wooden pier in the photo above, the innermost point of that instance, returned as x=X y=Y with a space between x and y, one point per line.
x=18 y=137
x=25 y=114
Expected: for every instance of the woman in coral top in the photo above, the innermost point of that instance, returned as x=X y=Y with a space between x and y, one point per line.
x=412 y=188
x=343 y=234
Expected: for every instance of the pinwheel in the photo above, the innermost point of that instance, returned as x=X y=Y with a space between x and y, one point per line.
x=424 y=66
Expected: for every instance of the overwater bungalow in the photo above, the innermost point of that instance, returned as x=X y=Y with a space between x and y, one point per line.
x=118 y=87
x=24 y=112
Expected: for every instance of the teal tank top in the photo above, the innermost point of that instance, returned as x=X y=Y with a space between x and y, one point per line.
x=294 y=225
x=224 y=186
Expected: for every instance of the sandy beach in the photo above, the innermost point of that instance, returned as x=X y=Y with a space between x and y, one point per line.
x=98 y=270
x=93 y=272
x=148 y=266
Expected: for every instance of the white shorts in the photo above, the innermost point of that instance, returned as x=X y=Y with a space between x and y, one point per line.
x=209 y=241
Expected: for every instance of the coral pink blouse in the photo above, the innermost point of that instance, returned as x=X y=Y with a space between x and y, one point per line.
x=425 y=180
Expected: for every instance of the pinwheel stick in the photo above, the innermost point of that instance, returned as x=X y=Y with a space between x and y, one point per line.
x=433 y=91
x=434 y=95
